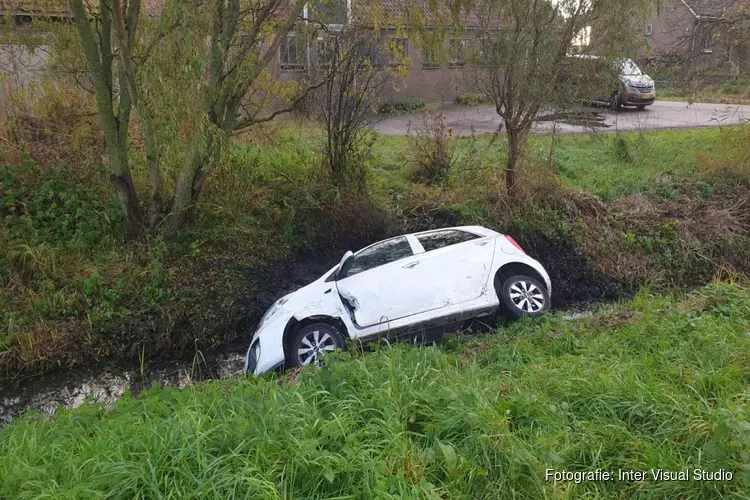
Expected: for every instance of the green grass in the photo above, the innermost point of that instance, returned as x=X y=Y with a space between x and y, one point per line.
x=614 y=166
x=659 y=382
x=609 y=166
x=732 y=91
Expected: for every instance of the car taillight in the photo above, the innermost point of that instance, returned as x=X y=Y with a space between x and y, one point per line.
x=514 y=243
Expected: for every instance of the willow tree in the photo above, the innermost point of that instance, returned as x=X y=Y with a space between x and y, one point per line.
x=113 y=99
x=522 y=50
x=244 y=37
x=196 y=72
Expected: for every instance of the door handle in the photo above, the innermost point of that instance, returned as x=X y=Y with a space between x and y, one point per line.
x=482 y=243
x=411 y=264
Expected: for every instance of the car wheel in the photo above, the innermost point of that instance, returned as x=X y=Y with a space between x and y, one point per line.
x=614 y=102
x=308 y=344
x=523 y=296
x=641 y=108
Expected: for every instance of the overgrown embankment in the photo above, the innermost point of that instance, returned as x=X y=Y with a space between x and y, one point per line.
x=653 y=383
x=605 y=215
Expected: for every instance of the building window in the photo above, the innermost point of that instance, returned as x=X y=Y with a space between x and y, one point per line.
x=291 y=52
x=649 y=29
x=430 y=58
x=400 y=48
x=583 y=38
x=457 y=49
x=396 y=51
x=326 y=51
x=331 y=12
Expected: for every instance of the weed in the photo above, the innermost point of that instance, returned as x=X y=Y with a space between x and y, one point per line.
x=142 y=364
x=622 y=149
x=431 y=150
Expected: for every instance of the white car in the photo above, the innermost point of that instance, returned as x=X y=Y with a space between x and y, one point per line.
x=404 y=285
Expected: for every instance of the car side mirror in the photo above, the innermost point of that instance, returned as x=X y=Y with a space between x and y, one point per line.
x=348 y=255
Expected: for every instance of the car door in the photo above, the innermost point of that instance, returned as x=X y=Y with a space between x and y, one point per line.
x=379 y=284
x=456 y=264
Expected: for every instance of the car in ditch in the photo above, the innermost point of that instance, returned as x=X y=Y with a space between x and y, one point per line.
x=407 y=285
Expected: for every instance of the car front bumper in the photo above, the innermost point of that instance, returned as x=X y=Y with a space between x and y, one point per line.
x=266 y=351
x=638 y=98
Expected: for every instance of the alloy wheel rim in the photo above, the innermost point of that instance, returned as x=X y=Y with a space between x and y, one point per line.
x=526 y=296
x=313 y=345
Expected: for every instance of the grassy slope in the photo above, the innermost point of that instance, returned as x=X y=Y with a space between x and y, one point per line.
x=73 y=292
x=612 y=168
x=654 y=383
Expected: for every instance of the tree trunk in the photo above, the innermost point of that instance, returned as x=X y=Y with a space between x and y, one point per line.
x=125 y=190
x=119 y=175
x=190 y=183
x=99 y=60
x=515 y=148
x=126 y=37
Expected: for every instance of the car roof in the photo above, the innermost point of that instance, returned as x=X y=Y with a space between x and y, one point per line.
x=478 y=230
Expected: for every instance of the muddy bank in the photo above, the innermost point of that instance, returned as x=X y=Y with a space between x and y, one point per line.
x=107 y=382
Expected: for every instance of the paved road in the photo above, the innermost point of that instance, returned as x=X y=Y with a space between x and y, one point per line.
x=662 y=115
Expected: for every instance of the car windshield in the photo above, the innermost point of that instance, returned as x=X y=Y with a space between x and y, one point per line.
x=629 y=68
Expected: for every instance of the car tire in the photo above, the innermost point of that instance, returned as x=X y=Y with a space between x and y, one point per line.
x=310 y=342
x=614 y=102
x=522 y=296
x=641 y=108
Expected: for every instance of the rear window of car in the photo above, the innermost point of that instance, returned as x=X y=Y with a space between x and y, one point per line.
x=378 y=255
x=442 y=239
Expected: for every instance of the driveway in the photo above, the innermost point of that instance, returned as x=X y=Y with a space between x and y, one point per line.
x=662 y=115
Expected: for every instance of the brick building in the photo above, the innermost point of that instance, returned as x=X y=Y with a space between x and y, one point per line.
x=690 y=33
x=435 y=74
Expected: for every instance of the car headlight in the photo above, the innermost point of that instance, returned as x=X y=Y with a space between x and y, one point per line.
x=253 y=355
x=256 y=350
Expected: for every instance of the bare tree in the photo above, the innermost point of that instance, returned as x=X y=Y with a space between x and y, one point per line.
x=347 y=63
x=522 y=53
x=697 y=34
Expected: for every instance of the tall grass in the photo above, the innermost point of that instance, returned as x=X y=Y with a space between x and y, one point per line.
x=658 y=382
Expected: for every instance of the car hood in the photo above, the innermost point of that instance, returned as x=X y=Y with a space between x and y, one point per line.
x=307 y=298
x=637 y=80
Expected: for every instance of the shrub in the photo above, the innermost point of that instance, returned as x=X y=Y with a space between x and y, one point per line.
x=411 y=105
x=622 y=149
x=735 y=86
x=432 y=149
x=473 y=99
x=48 y=206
